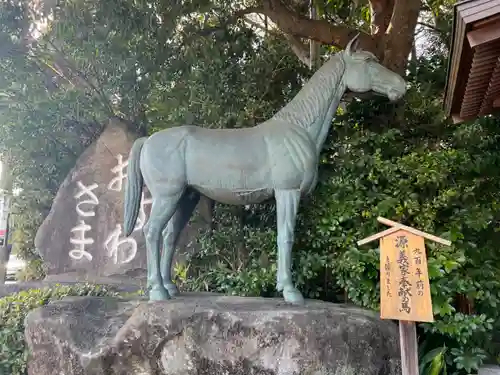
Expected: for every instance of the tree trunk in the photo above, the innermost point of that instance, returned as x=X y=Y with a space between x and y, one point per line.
x=5 y=251
x=314 y=46
x=400 y=34
x=381 y=14
x=5 y=189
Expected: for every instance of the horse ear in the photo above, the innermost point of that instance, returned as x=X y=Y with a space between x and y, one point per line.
x=352 y=45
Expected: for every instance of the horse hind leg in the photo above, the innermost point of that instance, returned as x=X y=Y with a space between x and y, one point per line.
x=171 y=236
x=162 y=210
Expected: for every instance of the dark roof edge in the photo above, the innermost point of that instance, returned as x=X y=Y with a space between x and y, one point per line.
x=450 y=54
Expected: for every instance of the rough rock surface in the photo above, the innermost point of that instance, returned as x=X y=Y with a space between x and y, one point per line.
x=87 y=212
x=208 y=334
x=83 y=233
x=489 y=370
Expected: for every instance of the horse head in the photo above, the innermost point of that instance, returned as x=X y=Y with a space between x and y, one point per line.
x=363 y=73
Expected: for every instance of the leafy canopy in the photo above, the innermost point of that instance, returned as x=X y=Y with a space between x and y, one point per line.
x=155 y=64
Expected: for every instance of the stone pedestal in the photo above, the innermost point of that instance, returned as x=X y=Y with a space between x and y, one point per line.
x=489 y=370
x=209 y=334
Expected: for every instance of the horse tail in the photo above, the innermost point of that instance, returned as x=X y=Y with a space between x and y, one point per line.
x=133 y=189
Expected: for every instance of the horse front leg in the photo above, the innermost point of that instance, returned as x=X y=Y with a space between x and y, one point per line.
x=287 y=205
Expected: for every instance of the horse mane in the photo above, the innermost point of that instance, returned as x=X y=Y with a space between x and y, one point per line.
x=305 y=107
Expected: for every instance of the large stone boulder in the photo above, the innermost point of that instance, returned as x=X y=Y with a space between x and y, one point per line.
x=83 y=232
x=82 y=236
x=208 y=335
x=489 y=370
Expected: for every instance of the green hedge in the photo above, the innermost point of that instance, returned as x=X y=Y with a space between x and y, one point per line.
x=13 y=311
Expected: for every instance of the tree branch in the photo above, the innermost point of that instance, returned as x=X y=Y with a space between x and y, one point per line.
x=299 y=26
x=70 y=72
x=299 y=48
x=381 y=13
x=432 y=27
x=249 y=10
x=319 y=30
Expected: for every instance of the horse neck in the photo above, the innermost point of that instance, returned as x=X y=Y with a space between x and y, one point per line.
x=315 y=105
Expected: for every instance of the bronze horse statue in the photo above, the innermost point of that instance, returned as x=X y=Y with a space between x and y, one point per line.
x=277 y=158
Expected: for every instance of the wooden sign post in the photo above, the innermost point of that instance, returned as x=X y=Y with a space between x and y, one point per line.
x=404 y=284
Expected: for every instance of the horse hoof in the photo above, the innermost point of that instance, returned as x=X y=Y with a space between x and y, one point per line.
x=293 y=296
x=159 y=294
x=279 y=287
x=172 y=289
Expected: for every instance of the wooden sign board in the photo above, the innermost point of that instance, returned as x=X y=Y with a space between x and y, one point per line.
x=405 y=294
x=404 y=281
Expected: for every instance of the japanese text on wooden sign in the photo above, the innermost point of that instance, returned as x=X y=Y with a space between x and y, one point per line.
x=404 y=282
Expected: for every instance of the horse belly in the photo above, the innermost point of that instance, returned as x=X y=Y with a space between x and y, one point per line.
x=232 y=185
x=230 y=177
x=235 y=197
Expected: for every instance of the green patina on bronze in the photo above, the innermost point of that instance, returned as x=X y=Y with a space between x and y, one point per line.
x=277 y=158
